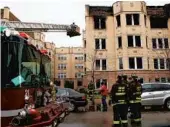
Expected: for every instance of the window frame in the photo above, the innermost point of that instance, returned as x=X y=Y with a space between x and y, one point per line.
x=135 y=63
x=134 y=43
x=100 y=68
x=132 y=19
x=100 y=42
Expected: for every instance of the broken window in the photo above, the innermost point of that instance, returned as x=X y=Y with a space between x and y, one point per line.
x=100 y=43
x=135 y=63
x=132 y=19
x=154 y=46
x=99 y=22
x=118 y=21
x=101 y=64
x=134 y=41
x=158 y=22
x=120 y=63
x=119 y=42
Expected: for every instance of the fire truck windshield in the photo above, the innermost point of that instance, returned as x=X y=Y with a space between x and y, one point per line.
x=22 y=64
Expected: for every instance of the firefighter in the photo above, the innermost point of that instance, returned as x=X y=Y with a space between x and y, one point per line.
x=119 y=101
x=135 y=101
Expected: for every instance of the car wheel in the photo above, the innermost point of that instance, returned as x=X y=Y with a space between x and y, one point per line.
x=167 y=104
x=71 y=107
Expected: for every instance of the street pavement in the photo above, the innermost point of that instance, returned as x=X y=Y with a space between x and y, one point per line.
x=104 y=119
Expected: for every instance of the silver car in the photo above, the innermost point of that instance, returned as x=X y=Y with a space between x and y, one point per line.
x=156 y=94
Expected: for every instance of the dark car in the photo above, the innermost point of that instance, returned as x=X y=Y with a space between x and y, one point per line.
x=76 y=99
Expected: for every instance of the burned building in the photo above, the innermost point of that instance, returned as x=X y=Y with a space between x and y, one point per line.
x=127 y=38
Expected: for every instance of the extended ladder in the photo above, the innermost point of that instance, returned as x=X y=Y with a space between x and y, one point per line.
x=43 y=27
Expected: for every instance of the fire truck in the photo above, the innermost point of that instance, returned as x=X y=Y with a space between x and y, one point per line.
x=26 y=88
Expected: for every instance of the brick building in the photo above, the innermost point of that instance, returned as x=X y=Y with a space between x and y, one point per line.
x=127 y=38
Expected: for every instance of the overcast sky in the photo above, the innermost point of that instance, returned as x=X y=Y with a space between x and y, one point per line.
x=59 y=12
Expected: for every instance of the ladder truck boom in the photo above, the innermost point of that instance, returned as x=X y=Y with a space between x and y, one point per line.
x=72 y=30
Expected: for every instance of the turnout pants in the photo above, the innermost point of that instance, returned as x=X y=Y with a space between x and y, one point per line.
x=120 y=115
x=104 y=104
x=136 y=113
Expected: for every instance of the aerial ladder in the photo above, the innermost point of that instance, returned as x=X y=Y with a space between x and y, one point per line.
x=72 y=30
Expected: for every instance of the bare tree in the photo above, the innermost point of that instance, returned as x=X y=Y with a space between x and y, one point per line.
x=92 y=59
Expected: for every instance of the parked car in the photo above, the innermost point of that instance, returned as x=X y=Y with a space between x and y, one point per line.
x=156 y=94
x=76 y=99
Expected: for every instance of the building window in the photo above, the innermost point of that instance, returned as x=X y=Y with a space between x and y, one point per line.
x=62 y=57
x=61 y=75
x=166 y=45
x=79 y=83
x=99 y=22
x=119 y=42
x=118 y=20
x=154 y=45
x=120 y=63
x=100 y=43
x=145 y=19
x=57 y=83
x=79 y=66
x=79 y=57
x=99 y=81
x=157 y=80
x=160 y=63
x=163 y=79
x=134 y=41
x=160 y=43
x=101 y=64
x=84 y=43
x=158 y=22
x=132 y=19
x=84 y=57
x=148 y=63
x=78 y=75
x=61 y=66
x=135 y=63
x=168 y=63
